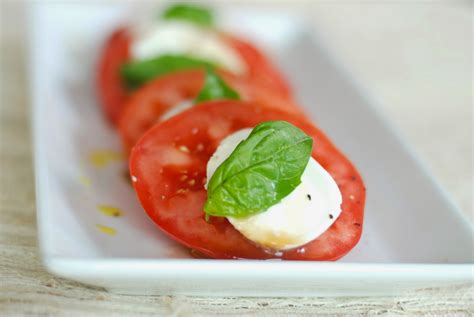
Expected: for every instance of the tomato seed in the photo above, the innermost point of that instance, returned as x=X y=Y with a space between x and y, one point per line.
x=183 y=148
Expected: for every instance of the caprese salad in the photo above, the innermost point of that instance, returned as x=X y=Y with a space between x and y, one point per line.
x=220 y=156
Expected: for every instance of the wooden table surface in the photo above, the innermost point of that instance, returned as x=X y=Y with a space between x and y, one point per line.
x=415 y=58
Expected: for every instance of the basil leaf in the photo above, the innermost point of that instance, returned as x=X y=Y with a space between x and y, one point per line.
x=136 y=73
x=192 y=13
x=260 y=172
x=215 y=88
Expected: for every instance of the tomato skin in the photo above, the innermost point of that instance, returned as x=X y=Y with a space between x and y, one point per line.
x=111 y=90
x=113 y=93
x=168 y=166
x=145 y=107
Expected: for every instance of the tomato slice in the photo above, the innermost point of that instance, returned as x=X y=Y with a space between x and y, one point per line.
x=168 y=168
x=113 y=93
x=261 y=69
x=150 y=102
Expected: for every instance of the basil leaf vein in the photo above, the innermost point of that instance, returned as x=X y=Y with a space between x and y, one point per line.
x=260 y=172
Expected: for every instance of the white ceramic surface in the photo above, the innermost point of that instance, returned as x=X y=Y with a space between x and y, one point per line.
x=413 y=235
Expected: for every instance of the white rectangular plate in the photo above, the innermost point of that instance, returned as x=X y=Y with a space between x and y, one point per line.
x=413 y=235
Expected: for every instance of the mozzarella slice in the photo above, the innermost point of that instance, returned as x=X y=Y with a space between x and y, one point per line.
x=300 y=217
x=175 y=37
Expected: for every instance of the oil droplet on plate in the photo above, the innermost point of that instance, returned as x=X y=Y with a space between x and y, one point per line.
x=84 y=180
x=102 y=158
x=110 y=211
x=107 y=230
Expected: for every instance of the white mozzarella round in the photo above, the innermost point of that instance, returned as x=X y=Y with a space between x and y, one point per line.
x=300 y=217
x=176 y=37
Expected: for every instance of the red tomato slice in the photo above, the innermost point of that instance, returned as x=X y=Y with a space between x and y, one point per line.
x=113 y=93
x=168 y=168
x=151 y=101
x=261 y=69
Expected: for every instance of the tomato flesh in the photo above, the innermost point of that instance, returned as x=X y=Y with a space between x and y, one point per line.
x=148 y=104
x=168 y=166
x=261 y=69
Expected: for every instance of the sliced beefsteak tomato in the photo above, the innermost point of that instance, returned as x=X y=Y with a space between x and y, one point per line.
x=113 y=92
x=168 y=170
x=145 y=107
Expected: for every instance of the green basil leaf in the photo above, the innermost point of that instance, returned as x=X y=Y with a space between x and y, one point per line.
x=260 y=172
x=192 y=13
x=215 y=88
x=136 y=73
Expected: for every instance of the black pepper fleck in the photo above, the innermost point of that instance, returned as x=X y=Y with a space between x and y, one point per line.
x=331 y=216
x=353 y=178
x=309 y=196
x=357 y=224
